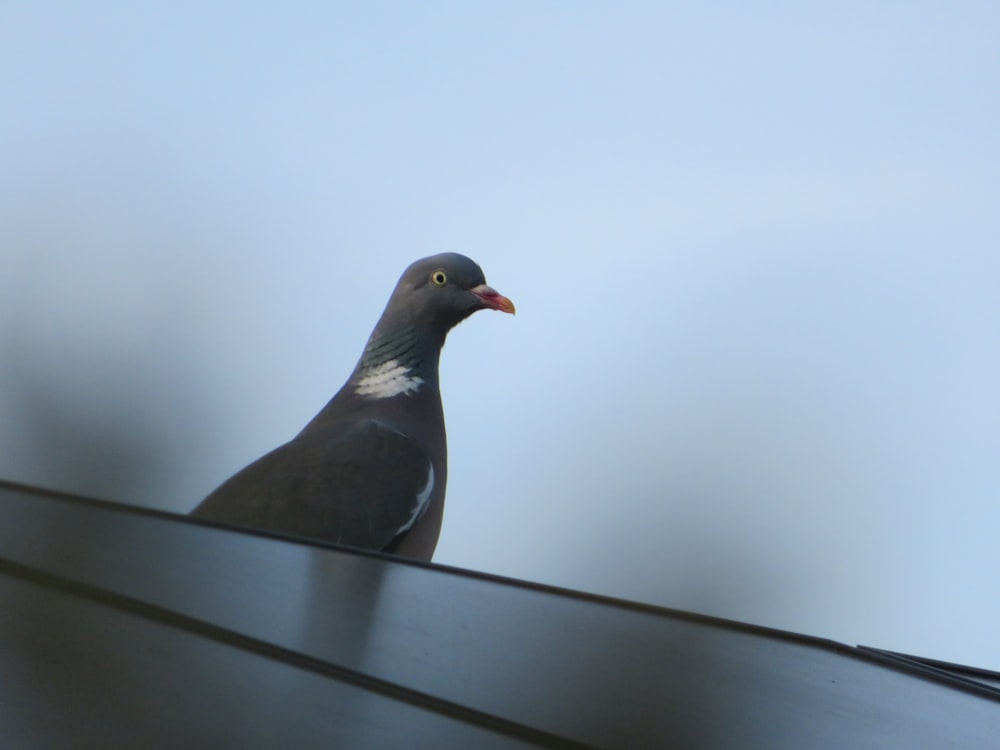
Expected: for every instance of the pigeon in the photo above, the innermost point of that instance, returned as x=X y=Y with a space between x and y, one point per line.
x=369 y=470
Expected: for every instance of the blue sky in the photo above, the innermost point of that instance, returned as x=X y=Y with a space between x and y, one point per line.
x=754 y=251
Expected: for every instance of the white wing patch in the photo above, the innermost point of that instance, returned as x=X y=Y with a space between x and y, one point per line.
x=423 y=499
x=387 y=380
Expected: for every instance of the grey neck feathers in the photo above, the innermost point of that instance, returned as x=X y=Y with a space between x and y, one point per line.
x=400 y=361
x=401 y=344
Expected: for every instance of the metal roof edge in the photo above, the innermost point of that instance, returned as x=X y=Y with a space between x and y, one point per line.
x=956 y=676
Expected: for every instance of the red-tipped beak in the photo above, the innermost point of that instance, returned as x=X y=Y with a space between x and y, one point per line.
x=493 y=299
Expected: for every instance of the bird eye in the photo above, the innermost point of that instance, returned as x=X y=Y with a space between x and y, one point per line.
x=439 y=278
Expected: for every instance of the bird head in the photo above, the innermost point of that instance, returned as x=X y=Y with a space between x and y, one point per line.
x=445 y=289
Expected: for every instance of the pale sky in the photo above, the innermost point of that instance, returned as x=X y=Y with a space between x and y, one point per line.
x=754 y=250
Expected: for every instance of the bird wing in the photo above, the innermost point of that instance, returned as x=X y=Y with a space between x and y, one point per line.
x=363 y=484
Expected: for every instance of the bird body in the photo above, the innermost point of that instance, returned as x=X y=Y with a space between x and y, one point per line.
x=370 y=469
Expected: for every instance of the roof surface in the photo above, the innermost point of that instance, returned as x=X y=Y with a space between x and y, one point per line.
x=124 y=627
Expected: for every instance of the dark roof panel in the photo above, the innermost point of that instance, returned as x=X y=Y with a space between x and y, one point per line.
x=246 y=635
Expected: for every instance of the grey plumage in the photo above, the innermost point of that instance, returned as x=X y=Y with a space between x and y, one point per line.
x=370 y=469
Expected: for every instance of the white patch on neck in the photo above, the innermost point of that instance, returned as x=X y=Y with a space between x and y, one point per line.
x=423 y=499
x=387 y=380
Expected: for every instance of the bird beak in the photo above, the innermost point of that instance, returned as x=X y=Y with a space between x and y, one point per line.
x=493 y=299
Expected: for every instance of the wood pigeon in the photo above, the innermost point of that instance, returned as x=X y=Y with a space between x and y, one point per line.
x=370 y=469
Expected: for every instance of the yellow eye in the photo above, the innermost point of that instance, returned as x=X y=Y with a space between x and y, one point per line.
x=439 y=278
